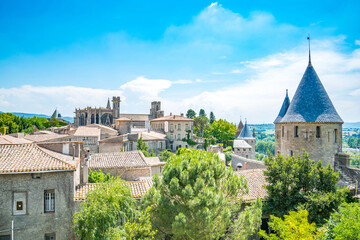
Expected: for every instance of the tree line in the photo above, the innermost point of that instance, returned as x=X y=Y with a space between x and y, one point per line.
x=10 y=123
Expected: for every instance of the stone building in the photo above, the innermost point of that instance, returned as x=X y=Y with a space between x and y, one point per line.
x=127 y=165
x=244 y=144
x=309 y=122
x=37 y=191
x=239 y=128
x=105 y=116
x=128 y=142
x=176 y=128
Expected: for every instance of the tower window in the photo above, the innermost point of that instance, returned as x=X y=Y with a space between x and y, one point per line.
x=296 y=133
x=335 y=135
x=282 y=131
x=317 y=132
x=291 y=153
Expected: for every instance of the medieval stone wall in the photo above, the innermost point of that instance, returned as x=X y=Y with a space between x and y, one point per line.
x=37 y=223
x=322 y=147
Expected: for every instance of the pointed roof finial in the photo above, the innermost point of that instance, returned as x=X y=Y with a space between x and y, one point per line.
x=308 y=38
x=286 y=92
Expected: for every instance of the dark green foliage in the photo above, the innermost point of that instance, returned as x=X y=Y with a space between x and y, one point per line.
x=202 y=113
x=16 y=124
x=201 y=123
x=165 y=155
x=354 y=141
x=104 y=212
x=191 y=114
x=212 y=117
x=189 y=141
x=140 y=228
x=222 y=130
x=299 y=183
x=98 y=176
x=228 y=156
x=141 y=146
x=194 y=198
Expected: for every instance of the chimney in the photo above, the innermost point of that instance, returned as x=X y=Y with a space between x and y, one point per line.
x=246 y=166
x=181 y=114
x=170 y=114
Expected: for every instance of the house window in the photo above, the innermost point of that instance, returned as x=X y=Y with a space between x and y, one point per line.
x=171 y=137
x=179 y=126
x=296 y=133
x=282 y=131
x=49 y=197
x=186 y=127
x=317 y=132
x=335 y=135
x=19 y=205
x=179 y=137
x=171 y=127
x=50 y=236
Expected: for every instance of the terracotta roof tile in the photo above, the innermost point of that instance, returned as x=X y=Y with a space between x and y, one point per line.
x=256 y=182
x=27 y=158
x=137 y=189
x=172 y=118
x=87 y=131
x=117 y=160
x=6 y=139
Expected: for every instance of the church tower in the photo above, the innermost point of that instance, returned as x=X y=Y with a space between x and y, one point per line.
x=116 y=107
x=309 y=122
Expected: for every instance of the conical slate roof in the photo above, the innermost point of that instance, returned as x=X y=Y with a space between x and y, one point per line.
x=311 y=103
x=239 y=128
x=55 y=114
x=246 y=132
x=284 y=108
x=108 y=104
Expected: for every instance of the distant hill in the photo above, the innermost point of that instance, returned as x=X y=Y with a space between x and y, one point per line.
x=352 y=125
x=30 y=115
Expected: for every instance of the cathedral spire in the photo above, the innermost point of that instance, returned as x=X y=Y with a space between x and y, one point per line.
x=308 y=38
x=108 y=104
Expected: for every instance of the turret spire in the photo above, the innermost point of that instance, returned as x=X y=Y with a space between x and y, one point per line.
x=309 y=50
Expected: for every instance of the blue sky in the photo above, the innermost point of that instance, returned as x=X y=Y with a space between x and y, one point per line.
x=235 y=58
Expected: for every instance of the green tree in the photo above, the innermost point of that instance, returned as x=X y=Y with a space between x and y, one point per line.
x=212 y=117
x=190 y=114
x=200 y=125
x=344 y=223
x=141 y=146
x=104 y=212
x=165 y=155
x=294 y=226
x=140 y=228
x=246 y=223
x=222 y=130
x=202 y=113
x=194 y=198
x=297 y=183
x=98 y=176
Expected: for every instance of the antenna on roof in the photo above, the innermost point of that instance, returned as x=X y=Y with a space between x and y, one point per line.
x=308 y=38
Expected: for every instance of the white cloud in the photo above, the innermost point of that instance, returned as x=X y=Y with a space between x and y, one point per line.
x=357 y=42
x=259 y=98
x=236 y=71
x=147 y=89
x=213 y=4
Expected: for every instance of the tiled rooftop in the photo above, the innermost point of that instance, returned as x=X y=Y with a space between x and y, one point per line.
x=87 y=131
x=172 y=118
x=6 y=139
x=135 y=117
x=241 y=144
x=147 y=180
x=256 y=182
x=311 y=102
x=117 y=160
x=42 y=136
x=137 y=189
x=154 y=161
x=28 y=158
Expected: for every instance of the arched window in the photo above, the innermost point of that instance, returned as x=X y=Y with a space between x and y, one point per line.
x=317 y=132
x=296 y=133
x=97 y=118
x=92 y=118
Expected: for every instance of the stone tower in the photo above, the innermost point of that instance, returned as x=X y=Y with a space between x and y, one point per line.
x=116 y=107
x=155 y=110
x=309 y=122
x=247 y=136
x=239 y=128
